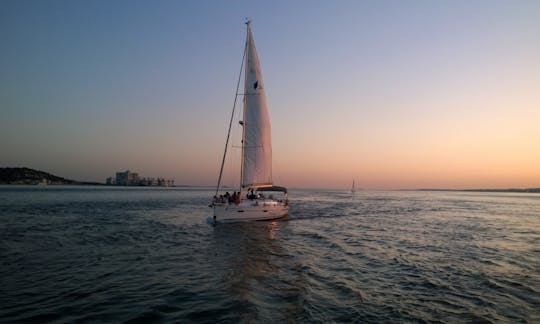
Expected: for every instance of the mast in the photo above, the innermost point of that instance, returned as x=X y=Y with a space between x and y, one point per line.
x=246 y=55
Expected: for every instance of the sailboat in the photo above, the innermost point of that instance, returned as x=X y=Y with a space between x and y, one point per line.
x=353 y=189
x=258 y=197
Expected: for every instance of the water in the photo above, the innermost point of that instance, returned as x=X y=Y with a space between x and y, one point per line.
x=98 y=254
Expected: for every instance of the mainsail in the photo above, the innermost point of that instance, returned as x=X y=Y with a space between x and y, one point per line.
x=257 y=143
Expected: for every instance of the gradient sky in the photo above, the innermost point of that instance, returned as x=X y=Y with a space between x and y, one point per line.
x=395 y=94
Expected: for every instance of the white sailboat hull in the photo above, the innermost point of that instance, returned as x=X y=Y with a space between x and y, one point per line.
x=249 y=211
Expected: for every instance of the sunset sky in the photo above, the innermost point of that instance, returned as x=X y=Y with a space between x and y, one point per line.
x=394 y=94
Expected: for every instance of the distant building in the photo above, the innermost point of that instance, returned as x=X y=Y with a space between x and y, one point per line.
x=127 y=178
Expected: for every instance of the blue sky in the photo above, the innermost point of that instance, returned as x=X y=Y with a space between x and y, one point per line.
x=393 y=93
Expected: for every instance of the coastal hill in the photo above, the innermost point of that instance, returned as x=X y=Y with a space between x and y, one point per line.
x=31 y=176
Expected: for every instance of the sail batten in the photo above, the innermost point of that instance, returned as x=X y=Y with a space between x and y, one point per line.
x=257 y=143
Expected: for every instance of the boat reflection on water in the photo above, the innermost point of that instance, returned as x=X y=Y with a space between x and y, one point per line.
x=261 y=278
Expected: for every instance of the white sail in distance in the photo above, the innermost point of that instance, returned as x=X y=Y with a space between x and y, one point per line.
x=257 y=142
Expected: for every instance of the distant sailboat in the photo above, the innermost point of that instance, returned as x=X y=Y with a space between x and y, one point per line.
x=255 y=199
x=353 y=189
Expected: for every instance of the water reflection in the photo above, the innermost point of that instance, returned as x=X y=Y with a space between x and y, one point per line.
x=256 y=271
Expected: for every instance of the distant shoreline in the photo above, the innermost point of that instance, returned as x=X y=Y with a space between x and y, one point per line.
x=510 y=190
x=26 y=176
x=76 y=183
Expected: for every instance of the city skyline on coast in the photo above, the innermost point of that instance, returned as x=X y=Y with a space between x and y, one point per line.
x=392 y=94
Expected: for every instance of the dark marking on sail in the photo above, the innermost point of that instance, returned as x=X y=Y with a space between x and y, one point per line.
x=256 y=84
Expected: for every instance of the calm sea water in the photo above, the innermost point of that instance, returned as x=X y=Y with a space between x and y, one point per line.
x=98 y=254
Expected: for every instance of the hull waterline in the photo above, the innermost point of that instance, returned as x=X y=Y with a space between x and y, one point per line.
x=248 y=212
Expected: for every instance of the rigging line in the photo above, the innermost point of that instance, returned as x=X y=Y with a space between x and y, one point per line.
x=230 y=122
